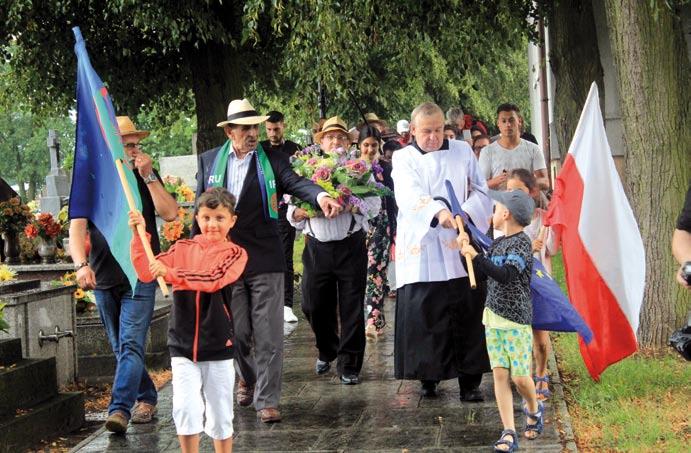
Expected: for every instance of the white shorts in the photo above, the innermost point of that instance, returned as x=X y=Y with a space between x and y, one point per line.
x=203 y=389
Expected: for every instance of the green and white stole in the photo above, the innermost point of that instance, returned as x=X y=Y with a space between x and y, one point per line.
x=265 y=174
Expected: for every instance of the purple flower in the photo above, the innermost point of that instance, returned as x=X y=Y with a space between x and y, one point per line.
x=376 y=168
x=358 y=203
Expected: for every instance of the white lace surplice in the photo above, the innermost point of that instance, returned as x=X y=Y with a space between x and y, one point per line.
x=423 y=253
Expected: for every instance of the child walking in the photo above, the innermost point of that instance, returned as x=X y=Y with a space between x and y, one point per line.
x=508 y=313
x=544 y=247
x=201 y=327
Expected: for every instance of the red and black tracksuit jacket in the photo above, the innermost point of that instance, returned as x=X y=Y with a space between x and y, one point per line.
x=201 y=272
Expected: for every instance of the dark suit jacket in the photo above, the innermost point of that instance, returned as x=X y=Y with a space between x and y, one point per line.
x=253 y=231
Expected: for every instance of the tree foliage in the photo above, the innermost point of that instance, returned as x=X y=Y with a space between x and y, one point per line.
x=388 y=54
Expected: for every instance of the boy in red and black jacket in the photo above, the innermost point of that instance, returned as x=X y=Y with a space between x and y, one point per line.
x=200 y=331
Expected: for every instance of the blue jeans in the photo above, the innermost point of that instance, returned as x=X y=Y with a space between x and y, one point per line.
x=126 y=319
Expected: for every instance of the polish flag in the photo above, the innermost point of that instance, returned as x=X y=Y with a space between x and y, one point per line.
x=602 y=247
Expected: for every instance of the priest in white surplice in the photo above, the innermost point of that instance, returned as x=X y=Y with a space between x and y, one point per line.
x=439 y=331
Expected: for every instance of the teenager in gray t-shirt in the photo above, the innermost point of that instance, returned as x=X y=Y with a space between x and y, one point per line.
x=510 y=152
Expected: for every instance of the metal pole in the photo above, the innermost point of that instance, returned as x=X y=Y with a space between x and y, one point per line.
x=544 y=99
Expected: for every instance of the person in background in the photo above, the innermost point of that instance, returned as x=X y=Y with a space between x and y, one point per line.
x=275 y=130
x=681 y=240
x=403 y=129
x=544 y=248
x=509 y=152
x=378 y=238
x=479 y=142
x=450 y=132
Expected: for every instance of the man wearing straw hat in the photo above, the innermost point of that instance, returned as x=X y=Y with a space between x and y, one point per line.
x=335 y=272
x=257 y=179
x=125 y=314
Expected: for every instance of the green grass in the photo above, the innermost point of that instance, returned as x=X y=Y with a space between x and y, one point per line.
x=297 y=252
x=640 y=404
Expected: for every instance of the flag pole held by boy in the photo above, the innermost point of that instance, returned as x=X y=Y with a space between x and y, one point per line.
x=94 y=194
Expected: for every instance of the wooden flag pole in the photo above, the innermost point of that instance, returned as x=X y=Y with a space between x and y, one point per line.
x=141 y=231
x=468 y=258
x=541 y=234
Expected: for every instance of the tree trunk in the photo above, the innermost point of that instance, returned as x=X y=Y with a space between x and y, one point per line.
x=215 y=82
x=32 y=188
x=575 y=62
x=653 y=76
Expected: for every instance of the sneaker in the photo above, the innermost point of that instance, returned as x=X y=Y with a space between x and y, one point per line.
x=117 y=422
x=143 y=412
x=322 y=367
x=288 y=315
x=350 y=379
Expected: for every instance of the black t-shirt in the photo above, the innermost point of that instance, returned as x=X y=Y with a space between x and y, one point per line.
x=684 y=221
x=288 y=148
x=108 y=272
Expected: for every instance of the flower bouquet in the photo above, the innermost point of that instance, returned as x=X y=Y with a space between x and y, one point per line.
x=180 y=227
x=13 y=216
x=177 y=188
x=342 y=175
x=43 y=226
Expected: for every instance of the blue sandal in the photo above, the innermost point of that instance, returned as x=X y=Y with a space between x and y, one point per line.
x=539 y=415
x=513 y=445
x=542 y=394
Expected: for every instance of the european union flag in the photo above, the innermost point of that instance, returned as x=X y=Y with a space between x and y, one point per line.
x=551 y=309
x=97 y=193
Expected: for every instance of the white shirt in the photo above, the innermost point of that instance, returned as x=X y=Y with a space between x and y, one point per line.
x=335 y=229
x=494 y=159
x=423 y=253
x=237 y=172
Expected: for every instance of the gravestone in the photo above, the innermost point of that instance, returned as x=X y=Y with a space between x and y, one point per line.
x=184 y=167
x=57 y=182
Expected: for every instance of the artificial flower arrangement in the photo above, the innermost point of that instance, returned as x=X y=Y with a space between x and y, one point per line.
x=13 y=215
x=343 y=175
x=43 y=226
x=180 y=227
x=177 y=187
x=83 y=300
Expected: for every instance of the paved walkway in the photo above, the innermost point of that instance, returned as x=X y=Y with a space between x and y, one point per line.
x=381 y=414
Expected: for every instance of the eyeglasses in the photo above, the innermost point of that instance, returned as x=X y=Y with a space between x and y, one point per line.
x=133 y=145
x=336 y=137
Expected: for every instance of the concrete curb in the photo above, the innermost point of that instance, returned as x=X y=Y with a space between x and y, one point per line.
x=563 y=418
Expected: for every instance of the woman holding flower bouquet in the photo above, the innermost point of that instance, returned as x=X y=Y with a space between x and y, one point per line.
x=378 y=237
x=335 y=254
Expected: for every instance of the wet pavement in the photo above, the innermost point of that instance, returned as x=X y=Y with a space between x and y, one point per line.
x=380 y=414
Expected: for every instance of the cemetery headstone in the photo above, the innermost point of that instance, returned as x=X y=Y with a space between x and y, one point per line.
x=57 y=182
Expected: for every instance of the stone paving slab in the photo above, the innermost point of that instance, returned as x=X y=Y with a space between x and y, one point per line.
x=381 y=414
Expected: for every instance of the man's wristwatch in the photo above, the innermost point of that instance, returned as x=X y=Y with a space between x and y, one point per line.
x=78 y=266
x=151 y=177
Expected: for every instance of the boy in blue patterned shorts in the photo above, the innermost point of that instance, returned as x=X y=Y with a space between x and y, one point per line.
x=508 y=313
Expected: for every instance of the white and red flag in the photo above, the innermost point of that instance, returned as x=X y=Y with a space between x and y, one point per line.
x=602 y=247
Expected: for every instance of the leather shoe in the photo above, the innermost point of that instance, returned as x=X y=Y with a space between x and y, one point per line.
x=472 y=395
x=269 y=415
x=244 y=394
x=322 y=367
x=429 y=388
x=350 y=379
x=117 y=422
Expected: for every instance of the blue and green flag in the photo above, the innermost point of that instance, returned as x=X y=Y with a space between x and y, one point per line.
x=96 y=192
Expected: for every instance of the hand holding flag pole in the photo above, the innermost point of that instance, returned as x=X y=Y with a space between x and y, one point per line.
x=141 y=231
x=458 y=222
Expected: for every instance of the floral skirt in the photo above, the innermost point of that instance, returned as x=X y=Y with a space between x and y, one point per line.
x=378 y=248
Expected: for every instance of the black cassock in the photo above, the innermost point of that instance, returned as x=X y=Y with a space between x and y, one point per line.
x=439 y=332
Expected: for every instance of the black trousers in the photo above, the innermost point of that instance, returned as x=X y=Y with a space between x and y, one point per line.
x=287 y=233
x=333 y=287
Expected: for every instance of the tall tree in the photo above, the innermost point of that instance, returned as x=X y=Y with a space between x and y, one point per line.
x=388 y=53
x=654 y=79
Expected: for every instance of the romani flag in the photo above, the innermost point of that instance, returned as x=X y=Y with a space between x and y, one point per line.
x=97 y=193
x=602 y=247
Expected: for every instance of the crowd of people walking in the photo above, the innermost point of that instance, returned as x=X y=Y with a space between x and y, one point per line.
x=233 y=281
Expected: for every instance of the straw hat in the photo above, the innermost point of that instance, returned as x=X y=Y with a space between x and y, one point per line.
x=372 y=119
x=240 y=111
x=126 y=127
x=335 y=123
